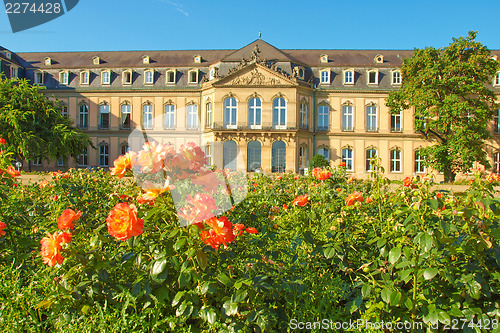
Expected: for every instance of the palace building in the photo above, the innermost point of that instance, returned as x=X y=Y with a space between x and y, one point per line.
x=256 y=107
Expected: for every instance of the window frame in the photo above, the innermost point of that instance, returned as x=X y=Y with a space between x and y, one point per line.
x=101 y=113
x=348 y=160
x=396 y=162
x=208 y=153
x=150 y=72
x=323 y=115
x=123 y=106
x=83 y=157
x=368 y=165
x=127 y=77
x=496 y=80
x=256 y=111
x=251 y=153
x=83 y=115
x=345 y=73
x=392 y=120
x=196 y=73
x=208 y=114
x=371 y=115
x=230 y=112
x=369 y=77
x=173 y=74
x=64 y=77
x=347 y=116
x=82 y=77
x=496 y=122
x=14 y=72
x=170 y=115
x=39 y=77
x=324 y=151
x=303 y=157
x=304 y=115
x=281 y=111
x=396 y=78
x=192 y=111
x=147 y=115
x=324 y=75
x=418 y=162
x=103 y=76
x=103 y=155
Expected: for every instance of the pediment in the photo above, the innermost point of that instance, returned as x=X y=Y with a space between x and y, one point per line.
x=255 y=75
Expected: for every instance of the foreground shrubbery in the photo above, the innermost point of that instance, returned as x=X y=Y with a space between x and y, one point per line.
x=327 y=247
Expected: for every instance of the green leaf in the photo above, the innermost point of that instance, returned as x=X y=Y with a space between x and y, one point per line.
x=201 y=258
x=158 y=267
x=180 y=243
x=224 y=279
x=230 y=308
x=211 y=316
x=329 y=252
x=395 y=298
x=184 y=278
x=177 y=298
x=366 y=290
x=386 y=295
x=239 y=296
x=394 y=255
x=430 y=272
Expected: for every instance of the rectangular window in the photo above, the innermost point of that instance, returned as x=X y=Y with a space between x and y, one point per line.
x=169 y=116
x=496 y=122
x=348 y=77
x=105 y=77
x=124 y=149
x=208 y=154
x=64 y=111
x=396 y=122
x=104 y=116
x=371 y=118
x=103 y=155
x=149 y=77
x=373 y=77
x=279 y=113
x=371 y=154
x=347 y=158
x=83 y=158
x=325 y=77
x=303 y=161
x=83 y=116
x=303 y=116
x=13 y=72
x=193 y=76
x=39 y=77
x=147 y=116
x=396 y=77
x=60 y=162
x=37 y=161
x=208 y=120
x=192 y=117
x=323 y=117
x=395 y=160
x=497 y=79
x=255 y=113
x=230 y=112
x=84 y=77
x=347 y=118
x=419 y=163
x=63 y=77
x=125 y=116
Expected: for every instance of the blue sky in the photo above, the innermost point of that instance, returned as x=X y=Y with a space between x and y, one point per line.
x=188 y=24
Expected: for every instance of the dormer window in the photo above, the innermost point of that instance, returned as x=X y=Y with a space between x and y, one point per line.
x=63 y=77
x=197 y=59
x=96 y=60
x=47 y=61
x=149 y=76
x=323 y=58
x=145 y=59
x=211 y=73
x=8 y=55
x=372 y=77
x=396 y=77
x=193 y=76
x=127 y=76
x=299 y=71
x=84 y=77
x=106 y=77
x=349 y=76
x=379 y=59
x=39 y=76
x=325 y=76
x=171 y=76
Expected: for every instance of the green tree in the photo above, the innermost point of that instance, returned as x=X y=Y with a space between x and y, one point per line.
x=33 y=126
x=453 y=104
x=319 y=161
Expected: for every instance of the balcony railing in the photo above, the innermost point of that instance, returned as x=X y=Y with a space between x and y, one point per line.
x=246 y=126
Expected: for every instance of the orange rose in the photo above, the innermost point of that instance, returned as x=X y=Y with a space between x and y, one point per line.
x=2 y=141
x=221 y=232
x=251 y=230
x=51 y=247
x=353 y=197
x=198 y=208
x=321 y=174
x=11 y=171
x=301 y=200
x=2 y=226
x=123 y=223
x=151 y=157
x=67 y=219
x=408 y=181
x=123 y=163
x=493 y=177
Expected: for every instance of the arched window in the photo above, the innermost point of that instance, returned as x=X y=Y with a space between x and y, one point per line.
x=279 y=113
x=255 y=112
x=253 y=155
x=169 y=116
x=147 y=116
x=230 y=112
x=230 y=152
x=104 y=116
x=325 y=152
x=125 y=114
x=278 y=157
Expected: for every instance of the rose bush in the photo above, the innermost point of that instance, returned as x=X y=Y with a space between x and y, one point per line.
x=86 y=251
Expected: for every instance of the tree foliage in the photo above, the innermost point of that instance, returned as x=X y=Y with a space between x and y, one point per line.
x=319 y=161
x=453 y=104
x=33 y=126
